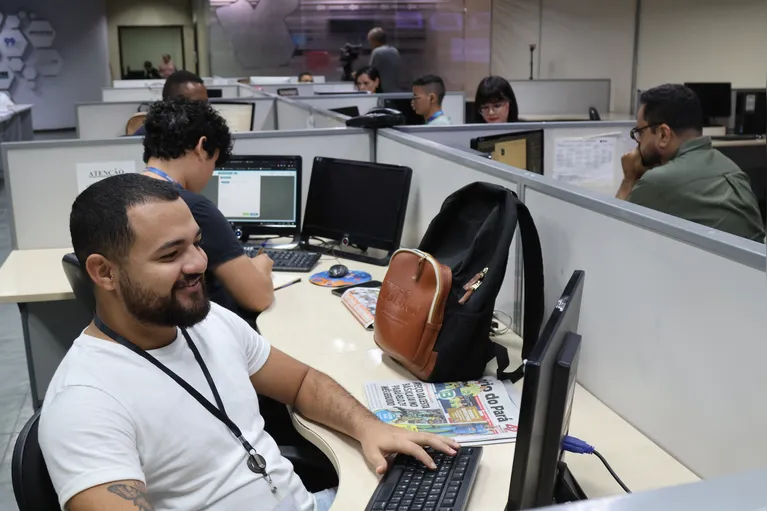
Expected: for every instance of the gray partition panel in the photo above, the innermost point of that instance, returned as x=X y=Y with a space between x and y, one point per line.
x=561 y=97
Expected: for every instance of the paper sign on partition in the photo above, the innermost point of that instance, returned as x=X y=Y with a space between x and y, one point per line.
x=583 y=161
x=89 y=173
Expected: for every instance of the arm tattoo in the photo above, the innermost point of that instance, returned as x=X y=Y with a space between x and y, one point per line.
x=135 y=492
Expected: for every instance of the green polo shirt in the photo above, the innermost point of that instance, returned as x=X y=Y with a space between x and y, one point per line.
x=702 y=185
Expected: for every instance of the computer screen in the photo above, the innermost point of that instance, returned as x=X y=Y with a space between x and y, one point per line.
x=533 y=458
x=215 y=93
x=364 y=202
x=349 y=111
x=238 y=116
x=292 y=91
x=405 y=106
x=262 y=194
x=522 y=149
x=715 y=98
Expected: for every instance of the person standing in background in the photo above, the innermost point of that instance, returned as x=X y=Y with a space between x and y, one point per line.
x=386 y=60
x=495 y=101
x=167 y=67
x=149 y=71
x=428 y=93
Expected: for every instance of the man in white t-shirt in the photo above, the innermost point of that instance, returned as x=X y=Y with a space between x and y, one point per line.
x=119 y=433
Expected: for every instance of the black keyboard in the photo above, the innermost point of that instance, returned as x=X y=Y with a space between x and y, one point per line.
x=287 y=260
x=410 y=486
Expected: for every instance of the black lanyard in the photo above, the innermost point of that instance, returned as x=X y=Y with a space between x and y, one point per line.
x=256 y=462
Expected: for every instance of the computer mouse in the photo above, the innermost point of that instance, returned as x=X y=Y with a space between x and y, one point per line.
x=338 y=271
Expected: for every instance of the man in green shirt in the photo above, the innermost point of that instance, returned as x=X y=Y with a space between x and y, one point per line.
x=675 y=170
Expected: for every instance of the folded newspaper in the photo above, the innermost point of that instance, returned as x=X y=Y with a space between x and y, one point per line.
x=472 y=412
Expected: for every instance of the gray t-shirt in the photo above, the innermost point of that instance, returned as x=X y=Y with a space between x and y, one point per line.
x=387 y=61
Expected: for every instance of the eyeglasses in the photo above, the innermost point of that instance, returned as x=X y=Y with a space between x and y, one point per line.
x=636 y=133
x=492 y=107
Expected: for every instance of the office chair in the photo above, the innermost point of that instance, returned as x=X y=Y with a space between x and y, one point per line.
x=594 y=114
x=32 y=486
x=134 y=123
x=314 y=469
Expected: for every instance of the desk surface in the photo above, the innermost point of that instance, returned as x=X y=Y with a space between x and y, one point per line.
x=34 y=276
x=311 y=324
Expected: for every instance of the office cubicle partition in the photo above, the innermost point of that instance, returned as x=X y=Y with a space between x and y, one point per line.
x=97 y=120
x=673 y=312
x=561 y=145
x=154 y=92
x=307 y=89
x=563 y=98
x=43 y=178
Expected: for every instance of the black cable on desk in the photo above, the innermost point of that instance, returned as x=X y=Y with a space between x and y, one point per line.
x=612 y=472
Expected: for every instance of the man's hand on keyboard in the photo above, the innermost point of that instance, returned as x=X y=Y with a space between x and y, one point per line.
x=381 y=440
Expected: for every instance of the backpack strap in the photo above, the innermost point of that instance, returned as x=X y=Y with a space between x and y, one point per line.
x=533 y=294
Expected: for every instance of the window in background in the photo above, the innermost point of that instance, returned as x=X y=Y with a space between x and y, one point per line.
x=148 y=44
x=450 y=38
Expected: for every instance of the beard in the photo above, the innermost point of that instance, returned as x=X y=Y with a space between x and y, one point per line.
x=151 y=308
x=650 y=160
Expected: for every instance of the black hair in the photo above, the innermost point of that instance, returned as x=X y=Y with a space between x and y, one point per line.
x=305 y=73
x=147 y=64
x=372 y=74
x=176 y=81
x=378 y=35
x=98 y=223
x=494 y=89
x=175 y=126
x=433 y=84
x=673 y=104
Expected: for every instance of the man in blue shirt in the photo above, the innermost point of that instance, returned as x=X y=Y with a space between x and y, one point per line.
x=428 y=93
x=180 y=83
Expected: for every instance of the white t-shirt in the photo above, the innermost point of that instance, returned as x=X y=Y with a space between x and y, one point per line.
x=110 y=415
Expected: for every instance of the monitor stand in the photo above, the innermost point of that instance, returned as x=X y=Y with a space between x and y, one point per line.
x=353 y=254
x=566 y=488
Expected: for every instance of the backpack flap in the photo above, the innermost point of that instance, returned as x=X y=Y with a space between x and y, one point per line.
x=410 y=309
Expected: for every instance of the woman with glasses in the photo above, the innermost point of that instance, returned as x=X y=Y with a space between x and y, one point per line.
x=496 y=101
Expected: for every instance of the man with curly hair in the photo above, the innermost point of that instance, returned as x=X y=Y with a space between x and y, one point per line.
x=185 y=140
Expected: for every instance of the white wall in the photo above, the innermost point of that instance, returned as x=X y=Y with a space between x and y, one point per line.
x=703 y=40
x=81 y=43
x=575 y=39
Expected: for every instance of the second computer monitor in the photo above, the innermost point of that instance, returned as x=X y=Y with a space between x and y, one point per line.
x=521 y=149
x=238 y=115
x=360 y=202
x=715 y=98
x=544 y=412
x=259 y=194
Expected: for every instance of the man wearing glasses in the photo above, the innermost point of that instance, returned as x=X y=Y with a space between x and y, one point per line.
x=675 y=170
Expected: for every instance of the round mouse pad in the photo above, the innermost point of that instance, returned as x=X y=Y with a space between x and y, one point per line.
x=353 y=277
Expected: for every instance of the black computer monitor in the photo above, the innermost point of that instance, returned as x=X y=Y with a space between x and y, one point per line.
x=349 y=111
x=237 y=114
x=259 y=195
x=521 y=149
x=546 y=399
x=288 y=91
x=715 y=98
x=405 y=106
x=358 y=203
x=215 y=93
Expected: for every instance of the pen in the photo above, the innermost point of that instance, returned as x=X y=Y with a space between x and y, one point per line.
x=288 y=285
x=260 y=251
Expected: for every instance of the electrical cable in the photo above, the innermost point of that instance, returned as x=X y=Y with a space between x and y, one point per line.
x=578 y=446
x=612 y=472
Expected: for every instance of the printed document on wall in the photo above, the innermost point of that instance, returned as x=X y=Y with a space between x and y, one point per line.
x=586 y=161
x=93 y=172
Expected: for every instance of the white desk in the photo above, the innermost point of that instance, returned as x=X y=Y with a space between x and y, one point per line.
x=311 y=324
